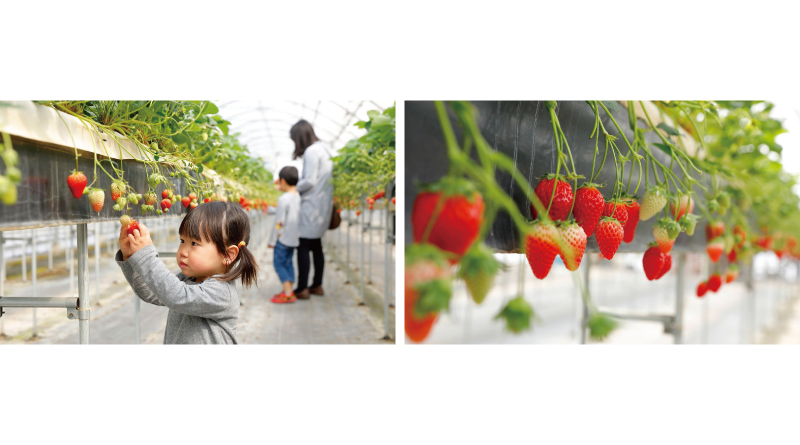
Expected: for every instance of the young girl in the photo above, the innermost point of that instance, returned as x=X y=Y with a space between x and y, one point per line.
x=202 y=300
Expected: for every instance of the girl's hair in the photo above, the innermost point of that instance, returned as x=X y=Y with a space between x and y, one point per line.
x=302 y=133
x=225 y=224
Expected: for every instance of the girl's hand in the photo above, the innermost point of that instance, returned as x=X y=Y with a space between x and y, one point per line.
x=124 y=243
x=139 y=239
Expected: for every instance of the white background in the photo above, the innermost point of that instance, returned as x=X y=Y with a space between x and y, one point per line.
x=401 y=394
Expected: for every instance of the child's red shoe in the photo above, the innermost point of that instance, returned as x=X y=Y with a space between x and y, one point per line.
x=283 y=298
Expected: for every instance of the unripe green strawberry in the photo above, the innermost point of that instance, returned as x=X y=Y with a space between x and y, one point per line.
x=688 y=223
x=517 y=314
x=96 y=199
x=133 y=199
x=652 y=203
x=663 y=231
x=478 y=268
x=122 y=202
x=125 y=220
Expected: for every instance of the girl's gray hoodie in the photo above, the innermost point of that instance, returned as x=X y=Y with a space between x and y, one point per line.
x=199 y=313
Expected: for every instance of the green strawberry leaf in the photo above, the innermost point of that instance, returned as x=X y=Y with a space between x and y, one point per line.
x=669 y=130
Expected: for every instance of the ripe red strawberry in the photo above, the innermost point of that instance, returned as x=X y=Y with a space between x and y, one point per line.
x=132 y=226
x=575 y=239
x=541 y=248
x=370 y=201
x=186 y=201
x=589 y=204
x=714 y=282
x=702 y=288
x=609 y=235
x=667 y=265
x=76 y=182
x=166 y=194
x=633 y=218
x=733 y=255
x=209 y=200
x=427 y=289
x=150 y=198
x=686 y=206
x=653 y=262
x=124 y=220
x=393 y=202
x=714 y=229
x=96 y=199
x=652 y=203
x=714 y=249
x=562 y=202
x=358 y=212
x=616 y=210
x=458 y=224
x=192 y=196
x=165 y=204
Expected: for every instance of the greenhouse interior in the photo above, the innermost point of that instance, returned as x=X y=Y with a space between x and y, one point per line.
x=88 y=185
x=602 y=222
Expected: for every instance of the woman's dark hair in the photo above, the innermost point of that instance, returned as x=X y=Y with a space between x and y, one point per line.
x=302 y=133
x=289 y=174
x=224 y=224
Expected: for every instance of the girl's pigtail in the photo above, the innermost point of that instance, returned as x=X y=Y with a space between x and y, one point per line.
x=247 y=267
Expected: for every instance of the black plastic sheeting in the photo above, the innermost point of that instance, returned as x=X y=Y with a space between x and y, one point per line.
x=45 y=199
x=523 y=131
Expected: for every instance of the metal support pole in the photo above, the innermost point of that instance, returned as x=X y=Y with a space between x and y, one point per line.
x=585 y=316
x=680 y=287
x=97 y=262
x=387 y=241
x=363 y=228
x=2 y=278
x=369 y=263
x=70 y=260
x=53 y=238
x=24 y=260
x=347 y=263
x=33 y=278
x=83 y=282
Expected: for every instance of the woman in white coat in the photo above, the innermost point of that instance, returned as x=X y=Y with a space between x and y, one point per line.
x=316 y=205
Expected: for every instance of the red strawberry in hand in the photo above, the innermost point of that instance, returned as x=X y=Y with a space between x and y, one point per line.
x=459 y=220
x=653 y=262
x=616 y=210
x=667 y=265
x=702 y=288
x=575 y=239
x=76 y=182
x=589 y=204
x=714 y=282
x=562 y=202
x=541 y=248
x=609 y=235
x=633 y=218
x=133 y=225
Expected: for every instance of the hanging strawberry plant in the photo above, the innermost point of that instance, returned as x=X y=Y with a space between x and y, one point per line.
x=721 y=159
